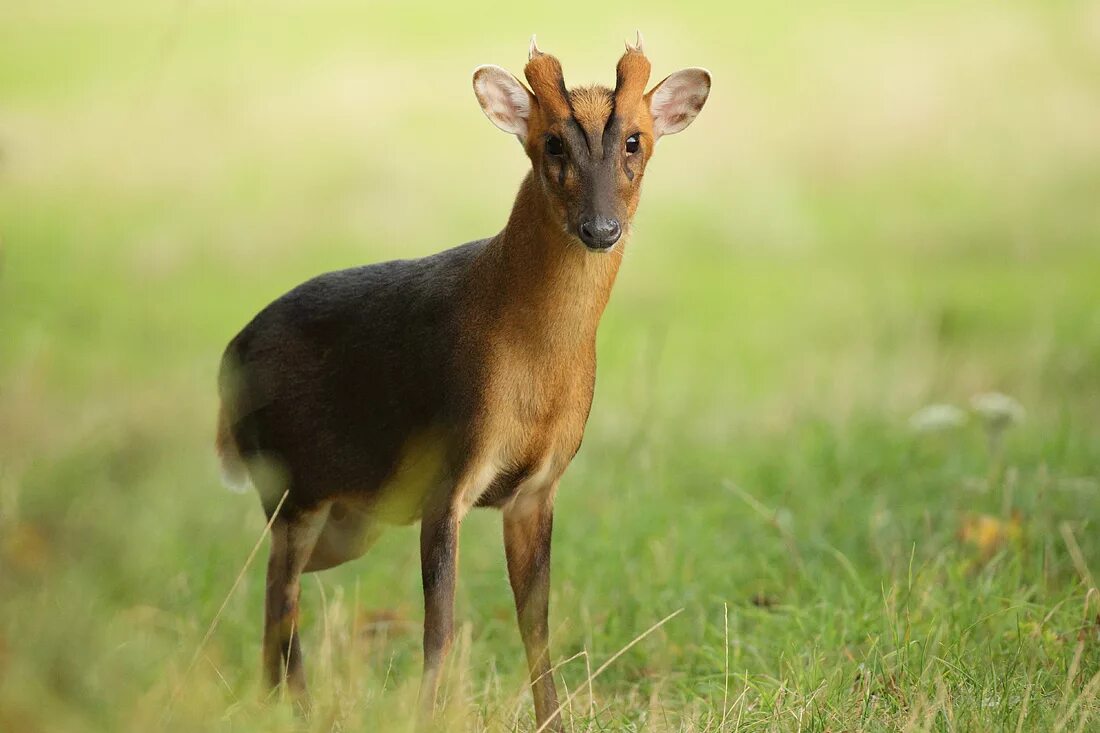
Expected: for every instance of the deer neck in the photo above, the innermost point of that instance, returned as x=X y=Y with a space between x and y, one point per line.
x=548 y=289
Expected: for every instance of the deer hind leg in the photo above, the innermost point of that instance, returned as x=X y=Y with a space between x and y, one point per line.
x=292 y=542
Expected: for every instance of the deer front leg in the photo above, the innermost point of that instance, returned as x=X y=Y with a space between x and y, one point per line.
x=439 y=567
x=528 y=525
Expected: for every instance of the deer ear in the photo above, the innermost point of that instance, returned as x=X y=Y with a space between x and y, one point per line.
x=676 y=101
x=505 y=101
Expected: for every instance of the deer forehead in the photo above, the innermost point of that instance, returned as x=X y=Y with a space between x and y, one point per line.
x=593 y=109
x=592 y=106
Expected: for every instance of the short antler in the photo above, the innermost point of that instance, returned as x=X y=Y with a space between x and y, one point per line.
x=544 y=74
x=631 y=76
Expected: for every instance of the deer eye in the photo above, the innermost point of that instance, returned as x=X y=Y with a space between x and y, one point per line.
x=554 y=146
x=633 y=144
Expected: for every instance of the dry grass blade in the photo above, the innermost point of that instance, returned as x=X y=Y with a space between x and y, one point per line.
x=726 y=670
x=1076 y=555
x=605 y=665
x=1023 y=709
x=1078 y=650
x=221 y=609
x=1088 y=693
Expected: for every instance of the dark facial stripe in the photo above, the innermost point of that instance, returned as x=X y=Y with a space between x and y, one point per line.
x=574 y=135
x=565 y=94
x=612 y=131
x=582 y=134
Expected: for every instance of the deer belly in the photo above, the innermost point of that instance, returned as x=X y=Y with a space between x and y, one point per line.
x=420 y=472
x=355 y=522
x=349 y=531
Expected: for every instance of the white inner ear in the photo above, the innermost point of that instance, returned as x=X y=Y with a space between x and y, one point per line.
x=503 y=99
x=677 y=100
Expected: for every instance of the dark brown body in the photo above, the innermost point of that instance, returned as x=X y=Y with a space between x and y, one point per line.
x=419 y=389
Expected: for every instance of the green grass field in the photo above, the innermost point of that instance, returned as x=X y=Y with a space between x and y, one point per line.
x=883 y=206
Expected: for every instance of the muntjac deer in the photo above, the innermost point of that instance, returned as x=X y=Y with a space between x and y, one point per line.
x=418 y=389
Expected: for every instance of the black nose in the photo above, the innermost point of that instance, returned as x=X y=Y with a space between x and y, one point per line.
x=600 y=232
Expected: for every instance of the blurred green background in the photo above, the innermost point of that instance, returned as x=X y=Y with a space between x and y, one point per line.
x=884 y=205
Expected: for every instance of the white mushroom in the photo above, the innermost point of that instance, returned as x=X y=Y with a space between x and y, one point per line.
x=998 y=410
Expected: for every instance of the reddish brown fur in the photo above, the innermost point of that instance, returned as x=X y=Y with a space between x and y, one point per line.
x=592 y=105
x=631 y=76
x=541 y=357
x=544 y=74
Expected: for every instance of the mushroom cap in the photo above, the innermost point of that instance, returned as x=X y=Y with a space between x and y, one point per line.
x=997 y=409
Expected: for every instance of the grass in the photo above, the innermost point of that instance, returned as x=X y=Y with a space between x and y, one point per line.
x=884 y=205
